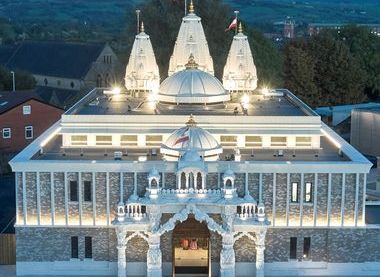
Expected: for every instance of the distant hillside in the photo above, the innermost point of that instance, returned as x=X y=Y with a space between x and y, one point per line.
x=111 y=14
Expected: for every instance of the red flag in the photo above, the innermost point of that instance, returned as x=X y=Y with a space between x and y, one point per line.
x=184 y=137
x=233 y=25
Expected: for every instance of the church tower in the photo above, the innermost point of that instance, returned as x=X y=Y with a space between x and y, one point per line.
x=191 y=40
x=240 y=70
x=142 y=73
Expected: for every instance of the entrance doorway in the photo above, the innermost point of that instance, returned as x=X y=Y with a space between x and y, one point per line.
x=191 y=249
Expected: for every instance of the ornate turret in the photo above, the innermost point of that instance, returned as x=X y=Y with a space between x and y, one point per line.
x=191 y=40
x=240 y=70
x=142 y=73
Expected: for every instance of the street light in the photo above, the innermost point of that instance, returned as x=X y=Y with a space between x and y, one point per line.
x=13 y=80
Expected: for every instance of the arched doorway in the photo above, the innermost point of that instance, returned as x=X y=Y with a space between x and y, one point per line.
x=191 y=249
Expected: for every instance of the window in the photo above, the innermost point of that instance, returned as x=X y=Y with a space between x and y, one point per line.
x=254 y=141
x=228 y=140
x=46 y=82
x=87 y=191
x=308 y=192
x=153 y=140
x=78 y=140
x=278 y=141
x=58 y=82
x=73 y=191
x=72 y=85
x=28 y=132
x=74 y=247
x=103 y=140
x=293 y=248
x=88 y=247
x=7 y=133
x=303 y=141
x=26 y=109
x=294 y=198
x=306 y=247
x=128 y=140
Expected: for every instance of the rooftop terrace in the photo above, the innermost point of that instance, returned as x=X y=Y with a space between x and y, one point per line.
x=280 y=103
x=54 y=151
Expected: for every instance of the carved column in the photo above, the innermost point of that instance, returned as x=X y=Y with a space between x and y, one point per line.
x=121 y=234
x=179 y=180
x=187 y=176
x=154 y=256
x=227 y=256
x=203 y=176
x=260 y=247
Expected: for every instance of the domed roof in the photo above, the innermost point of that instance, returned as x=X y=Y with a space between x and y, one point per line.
x=192 y=86
x=192 y=138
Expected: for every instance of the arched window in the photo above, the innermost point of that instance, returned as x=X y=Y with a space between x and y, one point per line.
x=72 y=84
x=99 y=81
x=228 y=183
x=107 y=80
x=46 y=82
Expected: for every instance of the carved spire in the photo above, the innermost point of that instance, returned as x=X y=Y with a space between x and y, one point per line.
x=142 y=28
x=191 y=64
x=191 y=122
x=240 y=28
x=191 y=7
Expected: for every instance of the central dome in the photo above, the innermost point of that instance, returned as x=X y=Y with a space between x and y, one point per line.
x=189 y=140
x=192 y=86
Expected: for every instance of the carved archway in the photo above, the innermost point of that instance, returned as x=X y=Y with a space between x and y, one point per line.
x=199 y=215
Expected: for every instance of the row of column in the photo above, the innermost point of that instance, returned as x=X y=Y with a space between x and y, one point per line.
x=191 y=180
x=227 y=255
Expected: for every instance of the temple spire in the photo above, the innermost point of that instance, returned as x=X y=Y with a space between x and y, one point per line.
x=191 y=7
x=240 y=28
x=142 y=28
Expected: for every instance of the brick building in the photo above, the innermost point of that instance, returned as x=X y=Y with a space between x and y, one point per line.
x=23 y=117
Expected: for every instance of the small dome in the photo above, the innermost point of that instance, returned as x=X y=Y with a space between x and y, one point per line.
x=191 y=156
x=192 y=86
x=153 y=173
x=191 y=138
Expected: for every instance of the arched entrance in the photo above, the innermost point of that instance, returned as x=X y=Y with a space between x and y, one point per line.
x=191 y=249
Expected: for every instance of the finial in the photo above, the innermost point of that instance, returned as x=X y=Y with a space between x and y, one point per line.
x=191 y=7
x=240 y=28
x=142 y=28
x=191 y=64
x=191 y=122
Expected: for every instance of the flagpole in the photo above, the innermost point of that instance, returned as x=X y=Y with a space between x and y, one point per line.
x=138 y=21
x=237 y=23
x=185 y=7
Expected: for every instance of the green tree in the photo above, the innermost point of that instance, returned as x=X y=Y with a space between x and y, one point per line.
x=365 y=47
x=323 y=72
x=24 y=80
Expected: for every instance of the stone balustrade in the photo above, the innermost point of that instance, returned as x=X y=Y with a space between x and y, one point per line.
x=190 y=191
x=246 y=211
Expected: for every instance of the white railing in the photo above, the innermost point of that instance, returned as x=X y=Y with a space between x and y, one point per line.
x=190 y=191
x=134 y=211
x=246 y=211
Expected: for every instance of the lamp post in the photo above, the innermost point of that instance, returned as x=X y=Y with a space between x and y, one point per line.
x=13 y=81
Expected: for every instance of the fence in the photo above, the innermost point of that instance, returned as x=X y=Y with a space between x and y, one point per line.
x=7 y=249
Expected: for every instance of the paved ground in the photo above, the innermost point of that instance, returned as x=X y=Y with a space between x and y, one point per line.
x=9 y=271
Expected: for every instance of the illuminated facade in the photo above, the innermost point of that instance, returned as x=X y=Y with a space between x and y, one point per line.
x=133 y=186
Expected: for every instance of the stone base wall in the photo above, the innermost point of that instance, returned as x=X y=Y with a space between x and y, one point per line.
x=334 y=245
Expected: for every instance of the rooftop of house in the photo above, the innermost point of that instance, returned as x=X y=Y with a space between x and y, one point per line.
x=11 y=99
x=59 y=59
x=279 y=103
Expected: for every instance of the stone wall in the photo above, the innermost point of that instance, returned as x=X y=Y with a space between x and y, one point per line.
x=335 y=245
x=297 y=214
x=54 y=244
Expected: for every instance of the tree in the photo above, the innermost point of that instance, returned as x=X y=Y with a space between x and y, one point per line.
x=323 y=71
x=24 y=80
x=365 y=47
